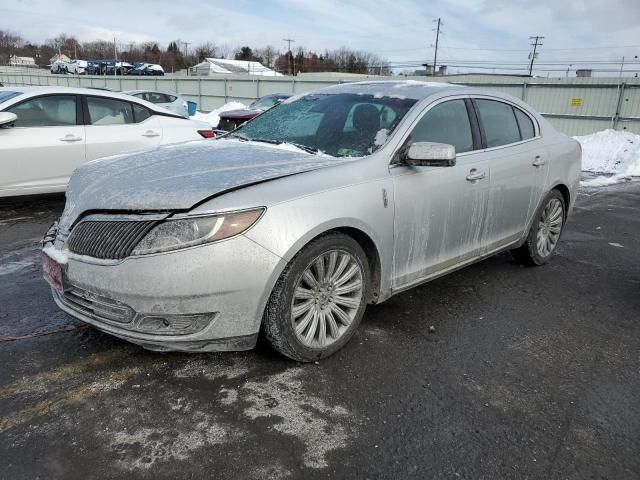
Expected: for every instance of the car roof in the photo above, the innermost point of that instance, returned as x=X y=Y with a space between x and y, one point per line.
x=86 y=91
x=132 y=92
x=398 y=88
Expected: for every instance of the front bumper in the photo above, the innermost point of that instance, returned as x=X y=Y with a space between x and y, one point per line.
x=206 y=298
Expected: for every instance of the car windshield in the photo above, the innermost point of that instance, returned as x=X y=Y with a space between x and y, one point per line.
x=6 y=95
x=342 y=125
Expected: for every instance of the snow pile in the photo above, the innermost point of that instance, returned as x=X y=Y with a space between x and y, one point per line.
x=613 y=154
x=213 y=117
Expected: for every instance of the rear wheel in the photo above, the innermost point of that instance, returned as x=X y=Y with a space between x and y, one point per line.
x=319 y=300
x=545 y=231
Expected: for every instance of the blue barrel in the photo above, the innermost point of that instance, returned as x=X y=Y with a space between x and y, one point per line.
x=191 y=108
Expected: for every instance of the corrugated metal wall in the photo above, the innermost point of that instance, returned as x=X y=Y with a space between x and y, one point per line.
x=576 y=106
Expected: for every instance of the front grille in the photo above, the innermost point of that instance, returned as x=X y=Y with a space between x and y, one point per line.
x=96 y=306
x=113 y=240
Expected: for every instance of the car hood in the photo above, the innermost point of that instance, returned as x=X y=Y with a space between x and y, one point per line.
x=176 y=177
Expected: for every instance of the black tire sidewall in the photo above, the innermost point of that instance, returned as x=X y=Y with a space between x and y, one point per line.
x=278 y=325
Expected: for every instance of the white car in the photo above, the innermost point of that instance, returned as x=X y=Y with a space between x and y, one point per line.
x=77 y=67
x=170 y=101
x=46 y=132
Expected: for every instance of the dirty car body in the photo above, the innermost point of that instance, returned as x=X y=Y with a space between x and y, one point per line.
x=134 y=261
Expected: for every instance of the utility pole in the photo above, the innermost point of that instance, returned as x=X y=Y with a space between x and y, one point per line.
x=535 y=46
x=289 y=53
x=186 y=51
x=435 y=53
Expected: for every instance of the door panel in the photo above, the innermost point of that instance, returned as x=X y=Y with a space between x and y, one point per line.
x=112 y=128
x=40 y=157
x=43 y=147
x=518 y=170
x=439 y=217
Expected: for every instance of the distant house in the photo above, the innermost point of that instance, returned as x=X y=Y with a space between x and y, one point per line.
x=215 y=66
x=59 y=57
x=28 y=62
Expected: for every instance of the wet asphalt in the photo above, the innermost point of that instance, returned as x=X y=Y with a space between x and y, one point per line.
x=526 y=373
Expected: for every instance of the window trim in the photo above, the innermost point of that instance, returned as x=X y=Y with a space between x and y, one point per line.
x=79 y=112
x=403 y=140
x=536 y=126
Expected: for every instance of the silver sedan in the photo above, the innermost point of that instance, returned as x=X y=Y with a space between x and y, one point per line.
x=295 y=222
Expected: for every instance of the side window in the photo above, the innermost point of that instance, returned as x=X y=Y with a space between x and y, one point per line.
x=526 y=125
x=170 y=98
x=51 y=111
x=155 y=97
x=108 y=111
x=498 y=122
x=140 y=113
x=447 y=122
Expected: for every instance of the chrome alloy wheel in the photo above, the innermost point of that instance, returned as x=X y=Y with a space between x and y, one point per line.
x=549 y=227
x=327 y=298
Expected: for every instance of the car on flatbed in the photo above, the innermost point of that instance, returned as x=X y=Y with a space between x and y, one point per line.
x=293 y=223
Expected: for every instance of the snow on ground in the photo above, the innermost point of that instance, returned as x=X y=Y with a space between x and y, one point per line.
x=213 y=117
x=615 y=155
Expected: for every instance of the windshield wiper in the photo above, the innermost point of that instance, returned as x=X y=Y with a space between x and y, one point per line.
x=305 y=147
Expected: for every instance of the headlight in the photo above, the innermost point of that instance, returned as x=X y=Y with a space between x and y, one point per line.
x=187 y=232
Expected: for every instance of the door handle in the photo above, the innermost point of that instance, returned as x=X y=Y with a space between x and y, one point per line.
x=70 y=138
x=150 y=134
x=475 y=175
x=539 y=161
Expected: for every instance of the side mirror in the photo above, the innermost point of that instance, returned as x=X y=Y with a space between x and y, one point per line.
x=7 y=118
x=429 y=154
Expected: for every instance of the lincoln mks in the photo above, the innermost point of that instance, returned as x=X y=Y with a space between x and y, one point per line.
x=290 y=225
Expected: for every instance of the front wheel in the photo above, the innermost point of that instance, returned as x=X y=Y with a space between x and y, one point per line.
x=319 y=300
x=545 y=231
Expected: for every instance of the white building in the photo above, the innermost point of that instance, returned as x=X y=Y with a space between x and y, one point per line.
x=213 y=66
x=28 y=62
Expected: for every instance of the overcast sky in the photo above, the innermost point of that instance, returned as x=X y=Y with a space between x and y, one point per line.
x=399 y=30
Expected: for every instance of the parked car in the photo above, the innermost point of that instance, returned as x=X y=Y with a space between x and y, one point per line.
x=293 y=223
x=46 y=132
x=146 y=69
x=170 y=101
x=232 y=119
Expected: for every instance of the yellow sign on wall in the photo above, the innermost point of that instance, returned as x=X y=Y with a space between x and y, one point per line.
x=576 y=102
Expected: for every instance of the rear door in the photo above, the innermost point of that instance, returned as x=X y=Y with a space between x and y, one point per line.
x=518 y=169
x=45 y=145
x=116 y=126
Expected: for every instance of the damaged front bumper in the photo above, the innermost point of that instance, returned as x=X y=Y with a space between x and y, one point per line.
x=199 y=299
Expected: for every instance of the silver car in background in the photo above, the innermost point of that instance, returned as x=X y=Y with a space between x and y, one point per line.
x=292 y=224
x=171 y=101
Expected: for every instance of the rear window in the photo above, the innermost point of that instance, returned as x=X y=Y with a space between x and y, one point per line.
x=526 y=125
x=498 y=122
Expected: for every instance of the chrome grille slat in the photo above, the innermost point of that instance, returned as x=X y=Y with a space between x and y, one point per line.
x=108 y=239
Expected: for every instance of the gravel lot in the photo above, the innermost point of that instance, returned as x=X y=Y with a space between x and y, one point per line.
x=529 y=373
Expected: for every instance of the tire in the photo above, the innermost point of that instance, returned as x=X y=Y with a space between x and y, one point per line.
x=545 y=232
x=319 y=319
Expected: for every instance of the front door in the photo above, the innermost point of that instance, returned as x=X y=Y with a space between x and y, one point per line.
x=440 y=211
x=39 y=153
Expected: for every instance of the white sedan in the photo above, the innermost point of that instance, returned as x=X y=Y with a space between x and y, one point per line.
x=46 y=132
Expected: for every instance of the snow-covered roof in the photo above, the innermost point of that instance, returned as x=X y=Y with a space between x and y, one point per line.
x=224 y=66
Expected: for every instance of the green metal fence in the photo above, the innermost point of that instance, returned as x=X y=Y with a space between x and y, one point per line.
x=576 y=106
